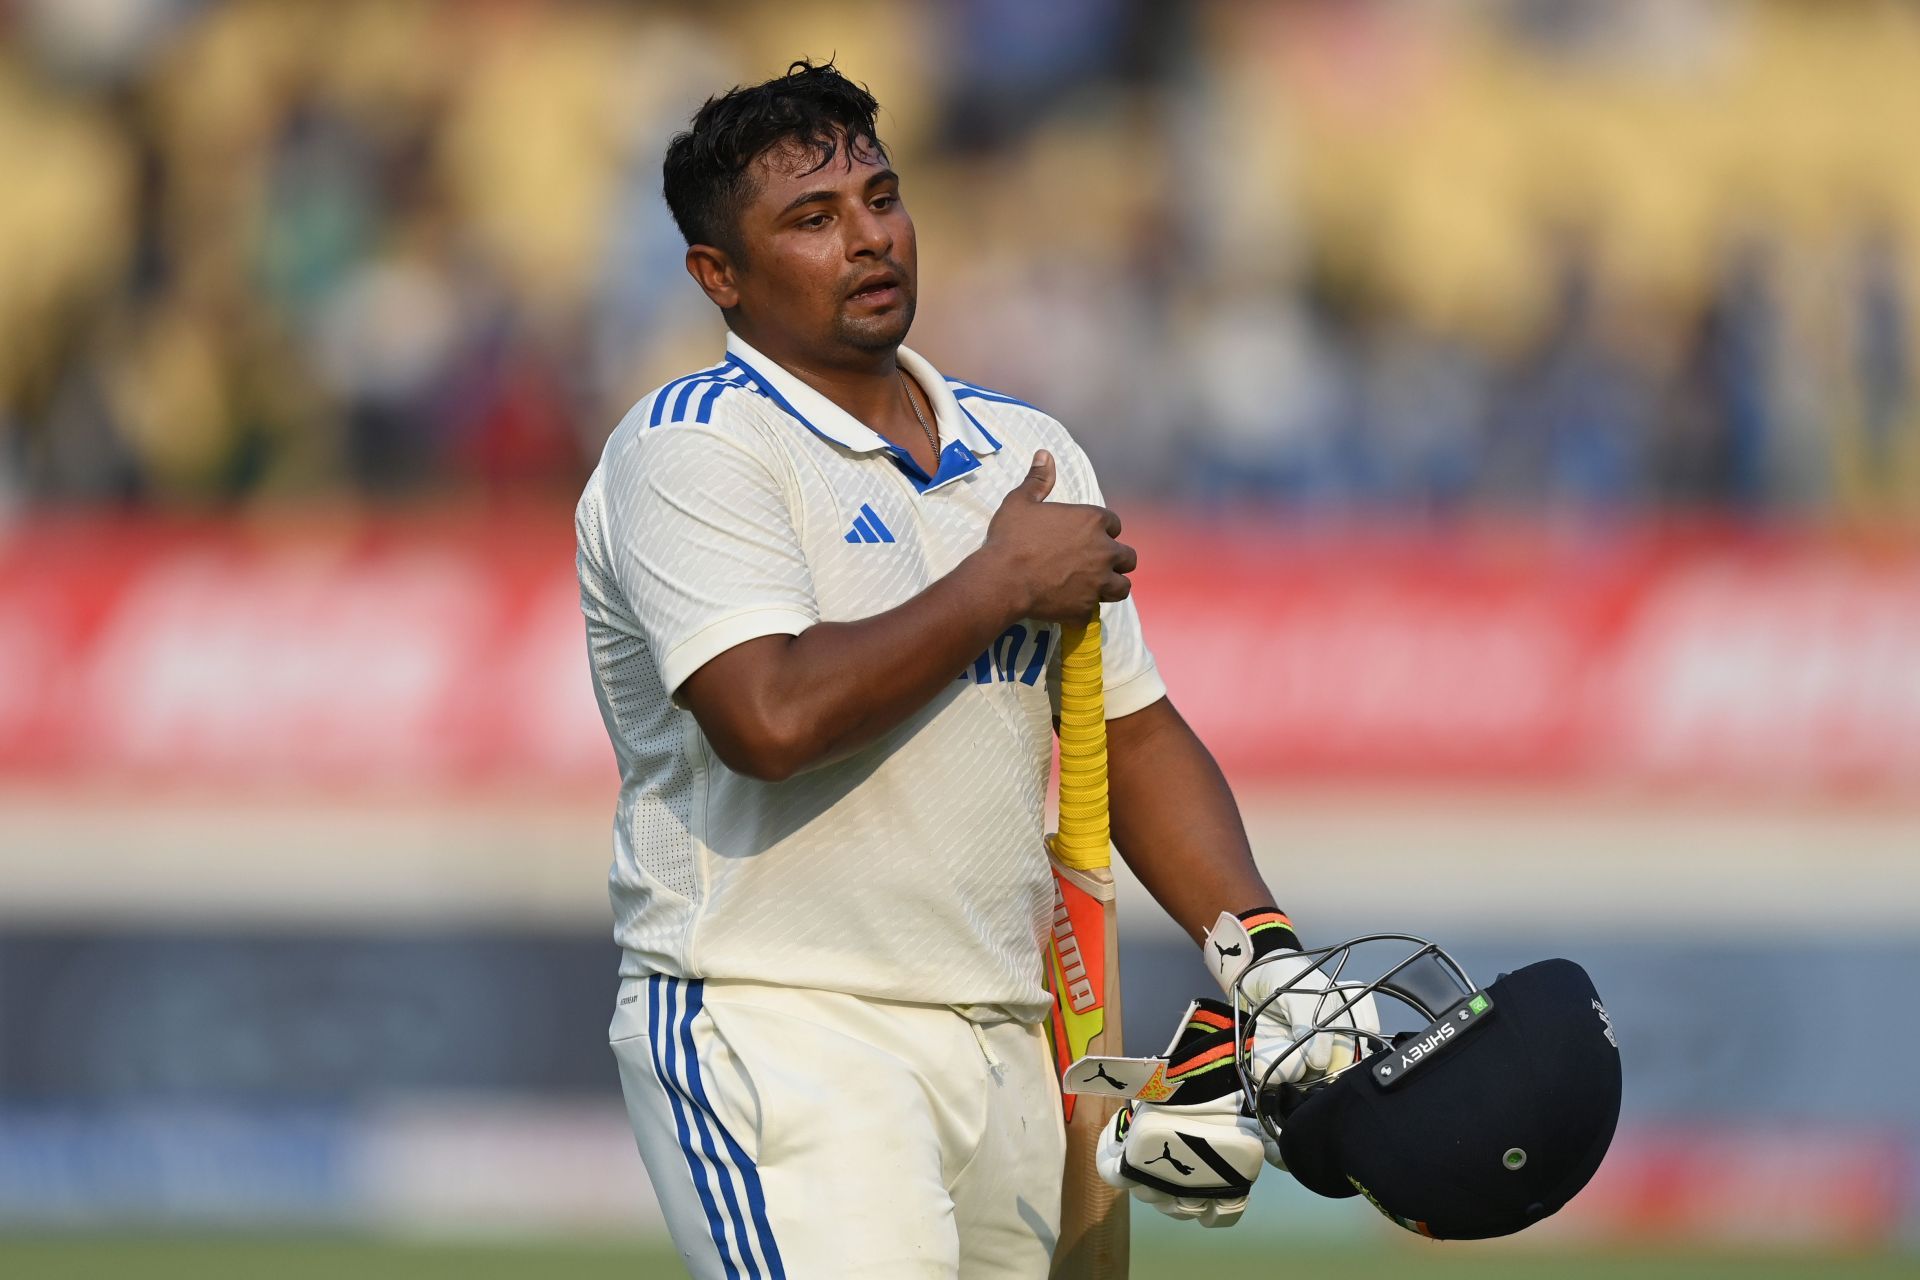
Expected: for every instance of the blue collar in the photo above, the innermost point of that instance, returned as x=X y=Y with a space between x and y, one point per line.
x=967 y=441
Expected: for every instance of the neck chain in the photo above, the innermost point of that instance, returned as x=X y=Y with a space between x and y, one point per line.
x=933 y=437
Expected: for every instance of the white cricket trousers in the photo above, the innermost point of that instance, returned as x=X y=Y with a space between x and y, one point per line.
x=809 y=1135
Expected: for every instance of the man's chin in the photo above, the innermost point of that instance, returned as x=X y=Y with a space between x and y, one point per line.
x=876 y=333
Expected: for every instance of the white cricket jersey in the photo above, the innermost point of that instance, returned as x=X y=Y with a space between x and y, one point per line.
x=738 y=502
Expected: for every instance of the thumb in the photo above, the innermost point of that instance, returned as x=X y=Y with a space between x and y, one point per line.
x=1039 y=481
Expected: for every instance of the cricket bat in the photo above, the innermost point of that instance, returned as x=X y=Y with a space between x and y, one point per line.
x=1083 y=963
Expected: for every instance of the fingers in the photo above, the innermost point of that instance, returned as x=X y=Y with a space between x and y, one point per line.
x=1330 y=1051
x=1319 y=1053
x=1116 y=586
x=1040 y=477
x=1208 y=1213
x=1292 y=1067
x=1270 y=1148
x=1065 y=550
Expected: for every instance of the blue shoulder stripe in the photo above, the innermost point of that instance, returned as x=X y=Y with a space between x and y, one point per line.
x=695 y=398
x=707 y=401
x=687 y=389
x=664 y=395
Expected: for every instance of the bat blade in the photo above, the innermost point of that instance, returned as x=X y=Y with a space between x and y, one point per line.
x=1083 y=966
x=1094 y=1240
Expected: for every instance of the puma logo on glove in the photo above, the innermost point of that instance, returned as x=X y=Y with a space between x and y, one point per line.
x=1166 y=1154
x=1204 y=1111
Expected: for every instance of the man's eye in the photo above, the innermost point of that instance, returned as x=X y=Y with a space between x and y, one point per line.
x=814 y=221
x=885 y=202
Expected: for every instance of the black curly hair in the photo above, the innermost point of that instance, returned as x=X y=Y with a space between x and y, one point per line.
x=706 y=171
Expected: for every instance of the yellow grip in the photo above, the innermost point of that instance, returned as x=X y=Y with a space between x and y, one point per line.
x=1084 y=839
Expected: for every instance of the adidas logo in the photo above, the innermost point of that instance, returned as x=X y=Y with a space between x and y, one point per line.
x=869 y=527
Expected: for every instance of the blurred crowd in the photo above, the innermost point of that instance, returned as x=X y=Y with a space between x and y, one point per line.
x=1618 y=256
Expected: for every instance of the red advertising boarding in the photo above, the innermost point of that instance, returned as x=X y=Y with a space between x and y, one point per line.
x=415 y=651
x=1802 y=1187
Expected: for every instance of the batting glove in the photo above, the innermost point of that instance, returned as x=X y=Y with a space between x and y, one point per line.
x=1262 y=945
x=1194 y=1156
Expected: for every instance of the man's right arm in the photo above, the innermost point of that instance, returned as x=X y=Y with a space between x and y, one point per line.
x=776 y=705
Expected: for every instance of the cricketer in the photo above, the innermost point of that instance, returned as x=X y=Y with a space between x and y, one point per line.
x=824 y=585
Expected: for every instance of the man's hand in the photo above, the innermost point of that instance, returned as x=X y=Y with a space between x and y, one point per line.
x=775 y=705
x=1266 y=936
x=1056 y=560
x=1194 y=1156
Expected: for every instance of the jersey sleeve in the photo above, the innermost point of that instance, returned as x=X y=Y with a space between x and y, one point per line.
x=702 y=542
x=1132 y=681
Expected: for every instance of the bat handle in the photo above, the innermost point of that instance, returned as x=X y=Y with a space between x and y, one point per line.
x=1085 y=835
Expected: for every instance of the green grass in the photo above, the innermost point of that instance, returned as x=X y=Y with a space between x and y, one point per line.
x=129 y=1257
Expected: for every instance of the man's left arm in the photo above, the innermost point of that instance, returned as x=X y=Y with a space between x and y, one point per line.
x=1177 y=826
x=1175 y=821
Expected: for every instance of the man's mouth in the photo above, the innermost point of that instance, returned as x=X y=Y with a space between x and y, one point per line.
x=878 y=290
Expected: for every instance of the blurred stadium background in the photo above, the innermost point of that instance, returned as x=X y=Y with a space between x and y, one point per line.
x=1515 y=404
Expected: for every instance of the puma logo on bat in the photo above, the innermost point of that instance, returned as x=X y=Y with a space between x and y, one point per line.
x=1166 y=1154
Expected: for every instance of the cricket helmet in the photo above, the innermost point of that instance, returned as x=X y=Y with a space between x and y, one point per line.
x=1487 y=1116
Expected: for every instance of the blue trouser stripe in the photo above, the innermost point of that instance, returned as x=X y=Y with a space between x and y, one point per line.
x=658 y=1016
x=705 y=1121
x=749 y=1175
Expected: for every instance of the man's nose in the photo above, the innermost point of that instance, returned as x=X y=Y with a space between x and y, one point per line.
x=870 y=235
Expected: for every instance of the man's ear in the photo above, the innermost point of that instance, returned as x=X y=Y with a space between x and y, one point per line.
x=713 y=270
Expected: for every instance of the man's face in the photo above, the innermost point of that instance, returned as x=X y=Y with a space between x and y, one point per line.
x=828 y=266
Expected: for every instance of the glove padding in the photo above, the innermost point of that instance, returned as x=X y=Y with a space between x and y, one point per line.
x=1262 y=945
x=1195 y=1156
